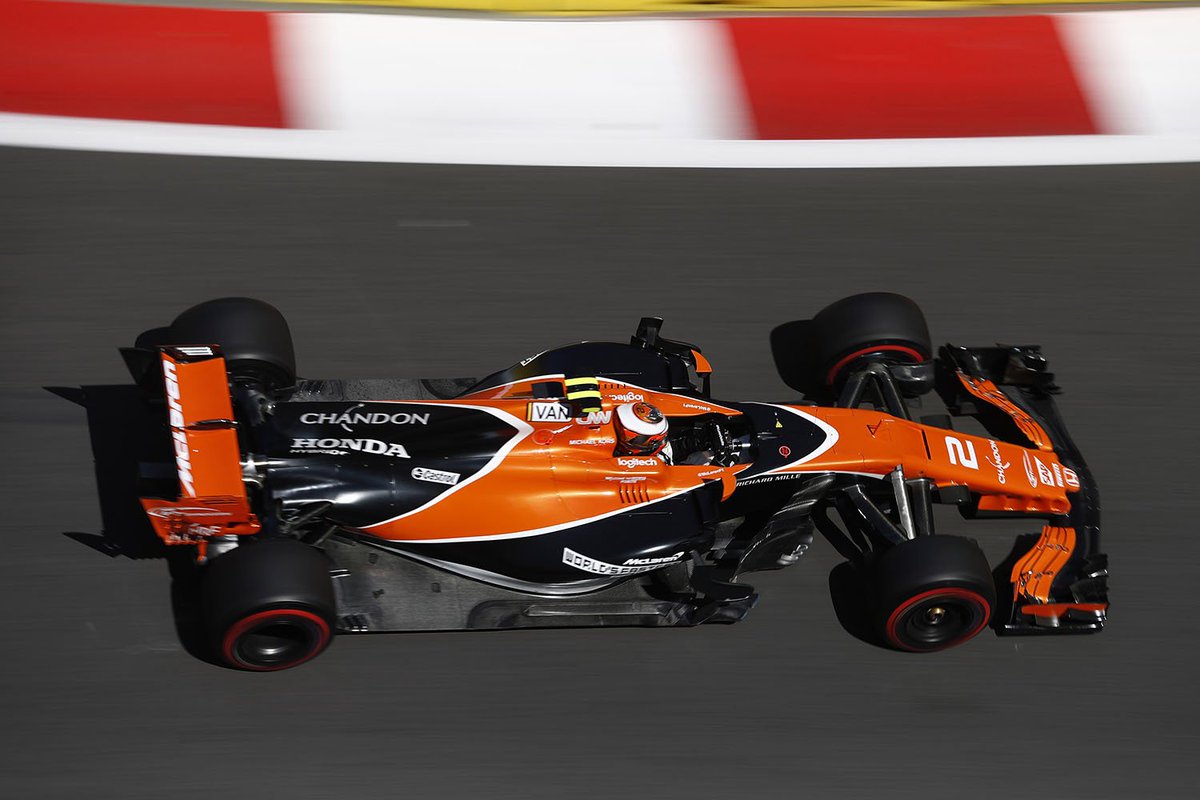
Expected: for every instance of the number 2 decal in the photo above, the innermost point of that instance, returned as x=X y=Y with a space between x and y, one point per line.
x=961 y=454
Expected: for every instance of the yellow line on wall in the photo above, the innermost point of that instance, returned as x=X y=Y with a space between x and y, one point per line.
x=622 y=7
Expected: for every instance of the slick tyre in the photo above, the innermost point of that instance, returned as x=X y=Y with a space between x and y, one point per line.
x=268 y=605
x=932 y=593
x=877 y=326
x=254 y=338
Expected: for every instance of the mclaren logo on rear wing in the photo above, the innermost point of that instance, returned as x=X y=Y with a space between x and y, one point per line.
x=212 y=498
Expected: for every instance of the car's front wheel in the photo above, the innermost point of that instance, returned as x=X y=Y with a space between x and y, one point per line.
x=877 y=326
x=932 y=592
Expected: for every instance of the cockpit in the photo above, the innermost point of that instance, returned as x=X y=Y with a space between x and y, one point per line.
x=714 y=439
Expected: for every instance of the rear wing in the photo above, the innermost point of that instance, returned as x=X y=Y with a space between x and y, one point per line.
x=212 y=498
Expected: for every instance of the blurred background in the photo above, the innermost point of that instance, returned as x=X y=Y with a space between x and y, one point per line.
x=394 y=269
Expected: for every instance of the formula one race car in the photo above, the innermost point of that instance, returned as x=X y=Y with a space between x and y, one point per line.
x=601 y=484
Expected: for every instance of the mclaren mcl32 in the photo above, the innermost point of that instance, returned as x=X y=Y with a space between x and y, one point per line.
x=521 y=499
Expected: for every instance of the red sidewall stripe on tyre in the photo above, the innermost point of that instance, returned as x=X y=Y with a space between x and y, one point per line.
x=951 y=591
x=879 y=348
x=245 y=624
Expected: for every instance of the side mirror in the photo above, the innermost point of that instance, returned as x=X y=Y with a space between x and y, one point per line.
x=647 y=331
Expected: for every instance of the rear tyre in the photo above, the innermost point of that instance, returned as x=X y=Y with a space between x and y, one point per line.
x=254 y=338
x=932 y=593
x=269 y=605
x=877 y=326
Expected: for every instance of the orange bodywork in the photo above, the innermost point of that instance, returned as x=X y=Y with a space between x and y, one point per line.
x=1006 y=475
x=560 y=471
x=987 y=391
x=1052 y=612
x=1033 y=577
x=1034 y=572
x=588 y=480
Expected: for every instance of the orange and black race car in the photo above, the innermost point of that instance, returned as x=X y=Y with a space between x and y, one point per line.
x=601 y=484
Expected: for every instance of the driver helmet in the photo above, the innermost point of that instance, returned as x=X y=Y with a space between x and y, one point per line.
x=641 y=429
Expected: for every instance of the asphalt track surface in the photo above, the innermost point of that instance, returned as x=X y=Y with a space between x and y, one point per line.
x=395 y=270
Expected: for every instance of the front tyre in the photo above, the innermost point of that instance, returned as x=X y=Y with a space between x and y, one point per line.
x=933 y=592
x=269 y=605
x=937 y=619
x=876 y=326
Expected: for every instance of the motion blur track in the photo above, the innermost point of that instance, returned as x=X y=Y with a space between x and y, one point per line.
x=387 y=270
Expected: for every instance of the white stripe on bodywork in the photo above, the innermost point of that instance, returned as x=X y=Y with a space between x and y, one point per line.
x=549 y=528
x=523 y=430
x=487 y=576
x=831 y=438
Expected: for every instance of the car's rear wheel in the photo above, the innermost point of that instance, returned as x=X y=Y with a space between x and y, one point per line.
x=253 y=336
x=277 y=638
x=877 y=326
x=932 y=593
x=269 y=605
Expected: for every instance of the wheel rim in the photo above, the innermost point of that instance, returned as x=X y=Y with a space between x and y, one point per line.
x=937 y=619
x=275 y=639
